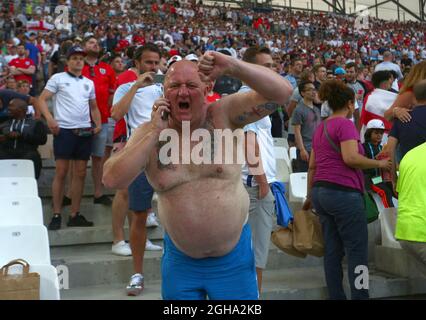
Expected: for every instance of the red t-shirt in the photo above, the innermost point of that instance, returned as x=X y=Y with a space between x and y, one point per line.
x=24 y=63
x=120 y=126
x=104 y=78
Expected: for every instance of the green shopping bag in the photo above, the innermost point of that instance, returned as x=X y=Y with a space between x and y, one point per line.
x=370 y=208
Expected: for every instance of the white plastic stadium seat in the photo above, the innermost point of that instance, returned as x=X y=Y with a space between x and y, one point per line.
x=298 y=186
x=293 y=153
x=49 y=283
x=283 y=166
x=17 y=168
x=30 y=243
x=16 y=211
x=21 y=186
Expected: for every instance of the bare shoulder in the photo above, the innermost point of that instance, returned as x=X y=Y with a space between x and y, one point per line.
x=216 y=117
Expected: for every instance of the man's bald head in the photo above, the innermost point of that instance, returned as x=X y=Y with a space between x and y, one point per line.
x=179 y=67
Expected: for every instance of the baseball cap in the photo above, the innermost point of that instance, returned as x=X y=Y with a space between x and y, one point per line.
x=376 y=124
x=191 y=57
x=339 y=71
x=75 y=50
x=173 y=59
x=121 y=45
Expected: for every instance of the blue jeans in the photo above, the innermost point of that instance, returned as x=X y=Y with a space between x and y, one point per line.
x=344 y=226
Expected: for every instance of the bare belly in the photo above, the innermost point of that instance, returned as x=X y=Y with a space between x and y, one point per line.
x=204 y=218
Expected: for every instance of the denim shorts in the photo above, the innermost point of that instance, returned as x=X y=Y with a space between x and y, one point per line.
x=110 y=132
x=99 y=142
x=261 y=220
x=69 y=146
x=140 y=194
x=230 y=277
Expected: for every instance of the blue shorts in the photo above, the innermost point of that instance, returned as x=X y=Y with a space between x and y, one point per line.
x=230 y=277
x=140 y=194
x=68 y=146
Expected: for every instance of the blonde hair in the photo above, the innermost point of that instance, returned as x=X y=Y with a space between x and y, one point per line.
x=417 y=74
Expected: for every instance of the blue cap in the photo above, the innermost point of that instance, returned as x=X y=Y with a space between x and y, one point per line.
x=75 y=50
x=339 y=71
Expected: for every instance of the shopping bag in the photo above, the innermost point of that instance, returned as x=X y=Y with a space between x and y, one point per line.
x=25 y=286
x=307 y=234
x=283 y=239
x=370 y=208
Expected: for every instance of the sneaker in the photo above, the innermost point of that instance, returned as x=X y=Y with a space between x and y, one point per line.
x=79 y=221
x=66 y=201
x=149 y=246
x=121 y=248
x=151 y=220
x=136 y=285
x=56 y=222
x=105 y=200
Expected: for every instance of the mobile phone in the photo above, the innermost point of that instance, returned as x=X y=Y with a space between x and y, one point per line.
x=159 y=78
x=164 y=115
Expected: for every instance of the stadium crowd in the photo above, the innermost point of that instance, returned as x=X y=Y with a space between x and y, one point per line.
x=97 y=64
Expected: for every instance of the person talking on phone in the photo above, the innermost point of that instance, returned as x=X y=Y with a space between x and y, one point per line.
x=203 y=207
x=133 y=101
x=74 y=109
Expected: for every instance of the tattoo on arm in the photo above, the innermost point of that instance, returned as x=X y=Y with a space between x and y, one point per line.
x=260 y=111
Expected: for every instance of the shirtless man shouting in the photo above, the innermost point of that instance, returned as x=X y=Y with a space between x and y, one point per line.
x=204 y=207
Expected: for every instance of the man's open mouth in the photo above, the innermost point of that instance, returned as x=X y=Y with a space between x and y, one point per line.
x=183 y=105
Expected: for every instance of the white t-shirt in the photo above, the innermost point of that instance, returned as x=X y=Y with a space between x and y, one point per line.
x=262 y=129
x=141 y=106
x=71 y=100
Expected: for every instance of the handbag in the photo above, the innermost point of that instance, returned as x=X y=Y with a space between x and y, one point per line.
x=372 y=213
x=307 y=233
x=25 y=286
x=283 y=239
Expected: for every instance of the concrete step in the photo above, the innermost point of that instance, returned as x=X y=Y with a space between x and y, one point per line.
x=117 y=291
x=281 y=284
x=48 y=172
x=94 y=265
x=400 y=263
x=93 y=235
x=45 y=189
x=309 y=283
x=100 y=215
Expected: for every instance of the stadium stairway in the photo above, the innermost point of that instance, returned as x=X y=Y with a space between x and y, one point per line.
x=95 y=273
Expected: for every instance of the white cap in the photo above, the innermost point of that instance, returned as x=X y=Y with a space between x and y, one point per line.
x=376 y=124
x=191 y=57
x=173 y=59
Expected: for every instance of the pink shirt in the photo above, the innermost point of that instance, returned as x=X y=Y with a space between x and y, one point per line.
x=330 y=166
